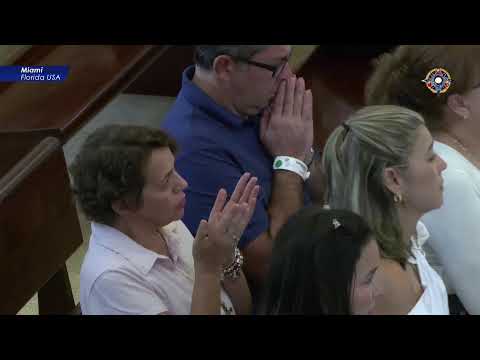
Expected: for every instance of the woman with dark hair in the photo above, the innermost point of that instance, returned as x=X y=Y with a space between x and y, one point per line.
x=323 y=263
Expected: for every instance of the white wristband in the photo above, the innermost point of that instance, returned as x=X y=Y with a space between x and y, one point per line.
x=291 y=164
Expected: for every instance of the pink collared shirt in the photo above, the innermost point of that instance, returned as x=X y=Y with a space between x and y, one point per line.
x=121 y=277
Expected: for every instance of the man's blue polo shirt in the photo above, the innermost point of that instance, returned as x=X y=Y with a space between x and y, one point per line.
x=216 y=148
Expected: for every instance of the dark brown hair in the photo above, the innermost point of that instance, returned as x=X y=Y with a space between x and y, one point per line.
x=111 y=166
x=313 y=263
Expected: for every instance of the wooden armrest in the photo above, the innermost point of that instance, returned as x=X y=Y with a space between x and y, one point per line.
x=39 y=228
x=27 y=165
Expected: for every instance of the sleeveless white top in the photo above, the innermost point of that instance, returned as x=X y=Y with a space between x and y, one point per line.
x=434 y=300
x=454 y=246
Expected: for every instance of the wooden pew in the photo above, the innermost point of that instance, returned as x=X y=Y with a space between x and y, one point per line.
x=39 y=228
x=337 y=76
x=97 y=74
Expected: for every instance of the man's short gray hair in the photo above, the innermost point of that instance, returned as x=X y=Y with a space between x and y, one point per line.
x=205 y=54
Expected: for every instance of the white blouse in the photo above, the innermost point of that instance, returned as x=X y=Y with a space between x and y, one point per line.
x=454 y=246
x=121 y=277
x=434 y=300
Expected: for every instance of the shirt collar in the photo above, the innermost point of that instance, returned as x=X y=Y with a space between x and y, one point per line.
x=116 y=241
x=422 y=234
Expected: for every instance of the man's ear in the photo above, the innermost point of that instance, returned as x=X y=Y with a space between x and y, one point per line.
x=392 y=180
x=223 y=67
x=459 y=105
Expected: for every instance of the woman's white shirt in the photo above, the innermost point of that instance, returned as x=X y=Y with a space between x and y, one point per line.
x=454 y=245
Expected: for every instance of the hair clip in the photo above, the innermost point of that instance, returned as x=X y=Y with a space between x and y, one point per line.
x=336 y=224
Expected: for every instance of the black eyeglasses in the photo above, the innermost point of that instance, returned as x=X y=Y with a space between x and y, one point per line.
x=276 y=70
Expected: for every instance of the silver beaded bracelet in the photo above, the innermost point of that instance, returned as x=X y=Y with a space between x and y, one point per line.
x=233 y=270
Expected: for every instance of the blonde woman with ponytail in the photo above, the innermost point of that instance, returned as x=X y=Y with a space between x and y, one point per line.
x=381 y=165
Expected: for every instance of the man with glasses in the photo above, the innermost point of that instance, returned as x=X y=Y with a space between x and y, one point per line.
x=241 y=109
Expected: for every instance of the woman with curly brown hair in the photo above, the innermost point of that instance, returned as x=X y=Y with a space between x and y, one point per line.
x=141 y=258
